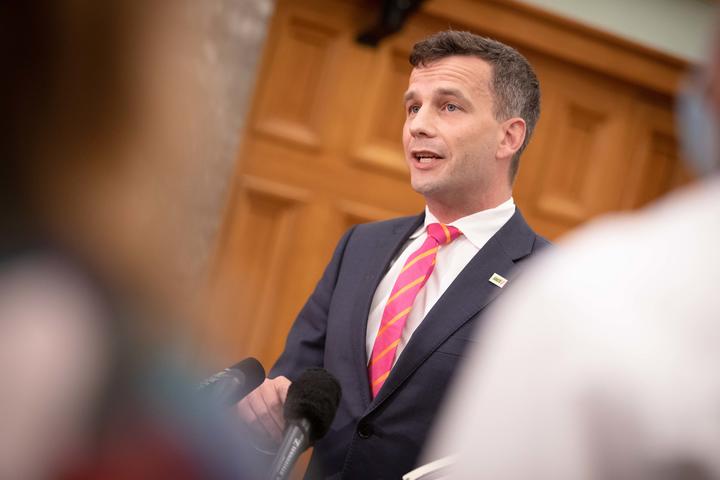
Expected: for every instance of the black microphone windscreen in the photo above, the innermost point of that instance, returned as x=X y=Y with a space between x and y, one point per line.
x=253 y=371
x=231 y=385
x=314 y=396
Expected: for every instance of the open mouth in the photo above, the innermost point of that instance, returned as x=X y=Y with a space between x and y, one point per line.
x=425 y=157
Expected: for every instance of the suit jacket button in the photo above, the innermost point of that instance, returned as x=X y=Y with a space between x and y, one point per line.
x=364 y=430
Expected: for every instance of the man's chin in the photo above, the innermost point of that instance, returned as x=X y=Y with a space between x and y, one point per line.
x=426 y=188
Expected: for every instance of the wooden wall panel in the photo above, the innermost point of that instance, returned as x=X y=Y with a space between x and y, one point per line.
x=322 y=150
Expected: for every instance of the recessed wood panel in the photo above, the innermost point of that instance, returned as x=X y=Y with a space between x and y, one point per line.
x=661 y=166
x=251 y=276
x=378 y=143
x=291 y=104
x=568 y=173
x=655 y=167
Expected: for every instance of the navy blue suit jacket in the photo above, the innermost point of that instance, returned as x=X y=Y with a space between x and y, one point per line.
x=382 y=437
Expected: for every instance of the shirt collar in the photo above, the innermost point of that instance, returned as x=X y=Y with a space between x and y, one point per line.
x=477 y=227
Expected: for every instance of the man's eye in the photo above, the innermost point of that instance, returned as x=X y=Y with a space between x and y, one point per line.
x=413 y=109
x=451 y=107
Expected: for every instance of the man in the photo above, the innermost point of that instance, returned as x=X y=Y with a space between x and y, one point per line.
x=604 y=361
x=396 y=307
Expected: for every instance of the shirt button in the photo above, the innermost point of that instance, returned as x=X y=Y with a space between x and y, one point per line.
x=364 y=430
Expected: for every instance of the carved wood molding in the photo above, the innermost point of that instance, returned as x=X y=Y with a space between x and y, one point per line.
x=531 y=27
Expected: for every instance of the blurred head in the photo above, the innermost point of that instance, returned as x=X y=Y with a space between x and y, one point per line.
x=103 y=108
x=105 y=138
x=698 y=118
x=471 y=106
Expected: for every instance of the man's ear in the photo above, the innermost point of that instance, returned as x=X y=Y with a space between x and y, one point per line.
x=513 y=135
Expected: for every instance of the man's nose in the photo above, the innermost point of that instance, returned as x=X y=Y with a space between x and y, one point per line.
x=422 y=123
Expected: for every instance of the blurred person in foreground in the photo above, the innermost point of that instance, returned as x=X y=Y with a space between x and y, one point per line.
x=604 y=361
x=97 y=108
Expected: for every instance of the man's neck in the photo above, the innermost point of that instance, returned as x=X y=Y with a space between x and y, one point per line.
x=448 y=212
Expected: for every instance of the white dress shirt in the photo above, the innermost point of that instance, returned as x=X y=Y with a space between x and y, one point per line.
x=451 y=259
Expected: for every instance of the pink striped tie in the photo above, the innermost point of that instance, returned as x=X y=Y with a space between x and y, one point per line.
x=412 y=278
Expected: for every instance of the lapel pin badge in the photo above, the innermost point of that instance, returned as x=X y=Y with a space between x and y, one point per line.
x=498 y=280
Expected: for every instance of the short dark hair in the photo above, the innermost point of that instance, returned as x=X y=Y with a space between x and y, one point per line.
x=515 y=87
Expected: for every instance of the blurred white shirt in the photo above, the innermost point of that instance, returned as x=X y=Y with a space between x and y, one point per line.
x=603 y=361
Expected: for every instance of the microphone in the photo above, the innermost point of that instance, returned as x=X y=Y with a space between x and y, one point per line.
x=232 y=384
x=309 y=410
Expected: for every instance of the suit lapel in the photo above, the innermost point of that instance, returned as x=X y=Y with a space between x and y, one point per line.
x=379 y=256
x=465 y=297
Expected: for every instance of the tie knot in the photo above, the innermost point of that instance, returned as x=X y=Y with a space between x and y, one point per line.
x=443 y=234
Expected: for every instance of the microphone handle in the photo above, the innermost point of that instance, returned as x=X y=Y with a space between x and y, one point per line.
x=295 y=442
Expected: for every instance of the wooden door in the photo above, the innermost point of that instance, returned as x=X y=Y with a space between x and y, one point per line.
x=322 y=149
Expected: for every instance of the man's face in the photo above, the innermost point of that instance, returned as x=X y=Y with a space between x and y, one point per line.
x=451 y=136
